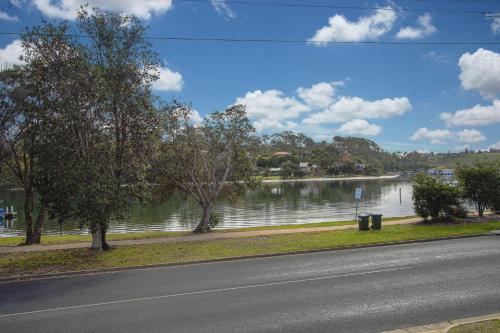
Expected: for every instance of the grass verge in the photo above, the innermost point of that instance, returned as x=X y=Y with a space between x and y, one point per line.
x=18 y=264
x=68 y=239
x=488 y=326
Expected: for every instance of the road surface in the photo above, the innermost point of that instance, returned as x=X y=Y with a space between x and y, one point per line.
x=362 y=290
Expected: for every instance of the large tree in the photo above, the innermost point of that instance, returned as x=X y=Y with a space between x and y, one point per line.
x=125 y=66
x=209 y=161
x=90 y=117
x=27 y=95
x=16 y=144
x=480 y=183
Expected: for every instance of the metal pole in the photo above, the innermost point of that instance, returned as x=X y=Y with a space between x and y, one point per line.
x=356 y=216
x=400 y=195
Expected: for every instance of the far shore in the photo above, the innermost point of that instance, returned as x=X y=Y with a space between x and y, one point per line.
x=330 y=179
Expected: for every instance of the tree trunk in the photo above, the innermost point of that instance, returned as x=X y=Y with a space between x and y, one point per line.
x=99 y=238
x=480 y=209
x=37 y=232
x=28 y=214
x=204 y=225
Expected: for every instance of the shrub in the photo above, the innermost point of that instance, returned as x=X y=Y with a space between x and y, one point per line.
x=434 y=198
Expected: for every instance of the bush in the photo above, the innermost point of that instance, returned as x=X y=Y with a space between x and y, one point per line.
x=214 y=220
x=434 y=198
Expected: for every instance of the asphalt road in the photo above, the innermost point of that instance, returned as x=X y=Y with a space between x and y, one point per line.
x=363 y=290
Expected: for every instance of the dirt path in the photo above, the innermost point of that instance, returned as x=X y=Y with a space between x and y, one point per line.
x=330 y=179
x=195 y=238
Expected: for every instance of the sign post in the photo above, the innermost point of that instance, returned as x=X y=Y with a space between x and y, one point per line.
x=357 y=196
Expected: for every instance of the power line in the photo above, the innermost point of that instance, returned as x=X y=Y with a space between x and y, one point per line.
x=322 y=6
x=268 y=40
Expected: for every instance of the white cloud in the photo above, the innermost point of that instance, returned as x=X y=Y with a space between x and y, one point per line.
x=168 y=80
x=470 y=136
x=478 y=115
x=196 y=117
x=360 y=127
x=270 y=109
x=496 y=145
x=346 y=108
x=6 y=17
x=319 y=94
x=495 y=24
x=436 y=137
x=271 y=105
x=67 y=9
x=424 y=29
x=222 y=8
x=480 y=71
x=340 y=29
x=11 y=53
x=441 y=136
x=275 y=125
x=17 y=3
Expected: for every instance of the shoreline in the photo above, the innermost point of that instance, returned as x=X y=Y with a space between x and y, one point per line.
x=330 y=179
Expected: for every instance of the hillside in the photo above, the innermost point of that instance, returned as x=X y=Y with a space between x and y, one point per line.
x=454 y=160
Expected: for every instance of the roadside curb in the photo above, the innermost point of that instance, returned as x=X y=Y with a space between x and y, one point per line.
x=249 y=257
x=445 y=326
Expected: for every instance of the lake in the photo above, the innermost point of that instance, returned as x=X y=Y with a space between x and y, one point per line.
x=270 y=205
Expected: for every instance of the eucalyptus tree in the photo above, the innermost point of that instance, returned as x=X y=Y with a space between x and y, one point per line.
x=209 y=161
x=36 y=99
x=125 y=67
x=480 y=184
x=19 y=119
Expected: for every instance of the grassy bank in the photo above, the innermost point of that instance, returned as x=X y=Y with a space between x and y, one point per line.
x=80 y=259
x=488 y=326
x=67 y=239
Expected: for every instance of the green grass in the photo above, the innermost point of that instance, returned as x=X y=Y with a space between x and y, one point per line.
x=68 y=239
x=15 y=264
x=488 y=326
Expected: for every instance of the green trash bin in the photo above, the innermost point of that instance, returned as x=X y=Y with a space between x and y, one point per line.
x=376 y=221
x=363 y=222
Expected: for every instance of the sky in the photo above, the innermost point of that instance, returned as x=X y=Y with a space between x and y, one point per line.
x=402 y=95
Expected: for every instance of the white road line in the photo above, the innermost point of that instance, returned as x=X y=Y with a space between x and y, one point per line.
x=200 y=292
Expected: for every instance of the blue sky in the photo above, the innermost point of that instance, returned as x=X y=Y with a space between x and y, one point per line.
x=405 y=97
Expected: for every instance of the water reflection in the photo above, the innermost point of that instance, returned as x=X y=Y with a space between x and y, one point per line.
x=272 y=204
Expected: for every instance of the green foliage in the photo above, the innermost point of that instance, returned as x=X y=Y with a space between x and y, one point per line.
x=480 y=184
x=275 y=161
x=434 y=198
x=84 y=123
x=214 y=220
x=289 y=169
x=208 y=161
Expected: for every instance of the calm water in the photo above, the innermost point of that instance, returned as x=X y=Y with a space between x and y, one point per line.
x=272 y=204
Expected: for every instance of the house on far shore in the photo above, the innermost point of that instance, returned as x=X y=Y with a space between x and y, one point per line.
x=304 y=154
x=440 y=172
x=346 y=157
x=281 y=154
x=308 y=167
x=275 y=171
x=360 y=167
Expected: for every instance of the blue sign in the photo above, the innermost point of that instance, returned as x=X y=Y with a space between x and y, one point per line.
x=357 y=194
